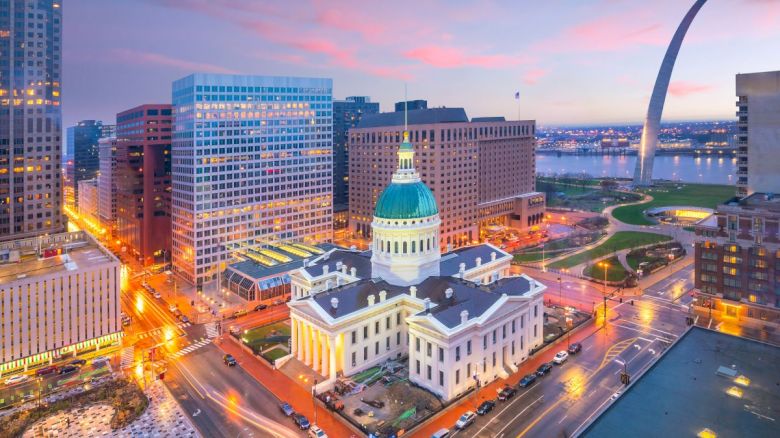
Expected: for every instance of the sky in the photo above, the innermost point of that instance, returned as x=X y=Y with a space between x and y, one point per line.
x=572 y=61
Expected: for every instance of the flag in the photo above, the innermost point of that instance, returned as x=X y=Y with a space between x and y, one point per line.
x=517 y=95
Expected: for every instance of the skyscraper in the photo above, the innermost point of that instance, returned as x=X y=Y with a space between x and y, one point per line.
x=107 y=183
x=143 y=181
x=346 y=115
x=758 y=132
x=30 y=118
x=83 y=140
x=251 y=161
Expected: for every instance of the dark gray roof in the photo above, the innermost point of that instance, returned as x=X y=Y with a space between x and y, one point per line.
x=361 y=261
x=466 y=296
x=450 y=262
x=256 y=271
x=416 y=117
x=488 y=119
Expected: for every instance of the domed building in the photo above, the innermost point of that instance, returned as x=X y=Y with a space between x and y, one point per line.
x=451 y=319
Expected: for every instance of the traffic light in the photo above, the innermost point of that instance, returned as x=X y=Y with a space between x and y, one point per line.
x=625 y=378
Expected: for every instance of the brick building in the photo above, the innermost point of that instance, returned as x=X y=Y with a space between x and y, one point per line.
x=481 y=170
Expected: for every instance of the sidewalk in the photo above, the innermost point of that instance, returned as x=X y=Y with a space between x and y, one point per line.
x=286 y=389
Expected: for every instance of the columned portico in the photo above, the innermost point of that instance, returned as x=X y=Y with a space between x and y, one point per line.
x=332 y=355
x=324 y=353
x=307 y=344
x=316 y=345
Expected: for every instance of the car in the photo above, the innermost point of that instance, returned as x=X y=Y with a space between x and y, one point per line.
x=67 y=369
x=229 y=360
x=465 y=420
x=301 y=421
x=239 y=313
x=575 y=348
x=157 y=295
x=287 y=410
x=441 y=433
x=100 y=360
x=507 y=393
x=543 y=369
x=316 y=432
x=261 y=307
x=486 y=407
x=234 y=330
x=172 y=308
x=277 y=302
x=19 y=378
x=560 y=357
x=184 y=319
x=527 y=381
x=28 y=397
x=45 y=370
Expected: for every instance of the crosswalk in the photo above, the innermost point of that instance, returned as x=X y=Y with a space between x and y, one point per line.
x=159 y=331
x=211 y=330
x=191 y=348
x=128 y=354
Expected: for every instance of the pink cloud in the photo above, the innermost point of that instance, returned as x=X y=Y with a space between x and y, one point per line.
x=532 y=76
x=135 y=56
x=683 y=88
x=455 y=57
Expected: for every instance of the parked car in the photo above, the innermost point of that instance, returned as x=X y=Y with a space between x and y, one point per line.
x=316 y=432
x=507 y=393
x=575 y=348
x=19 y=378
x=543 y=369
x=172 y=308
x=527 y=381
x=78 y=362
x=441 y=433
x=486 y=407
x=286 y=409
x=261 y=307
x=239 y=313
x=301 y=421
x=229 y=360
x=184 y=319
x=157 y=295
x=67 y=369
x=560 y=357
x=465 y=420
x=277 y=302
x=100 y=360
x=45 y=370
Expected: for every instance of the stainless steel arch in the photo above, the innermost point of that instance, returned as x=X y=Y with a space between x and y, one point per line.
x=643 y=174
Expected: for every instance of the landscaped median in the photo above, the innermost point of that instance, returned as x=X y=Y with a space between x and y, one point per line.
x=669 y=194
x=618 y=241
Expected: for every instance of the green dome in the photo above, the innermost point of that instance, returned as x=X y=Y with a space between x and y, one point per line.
x=406 y=201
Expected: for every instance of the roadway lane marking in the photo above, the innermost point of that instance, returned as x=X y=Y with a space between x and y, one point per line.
x=508 y=423
x=650 y=328
x=508 y=405
x=638 y=331
x=561 y=420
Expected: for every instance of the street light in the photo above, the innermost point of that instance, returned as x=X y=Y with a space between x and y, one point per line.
x=560 y=292
x=605 y=266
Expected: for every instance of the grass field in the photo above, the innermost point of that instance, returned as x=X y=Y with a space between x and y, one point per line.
x=274 y=354
x=264 y=337
x=615 y=271
x=695 y=195
x=616 y=242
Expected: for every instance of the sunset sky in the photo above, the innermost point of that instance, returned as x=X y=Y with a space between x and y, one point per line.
x=573 y=61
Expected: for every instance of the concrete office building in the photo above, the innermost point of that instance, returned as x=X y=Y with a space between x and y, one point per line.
x=758 y=133
x=411 y=105
x=107 y=184
x=30 y=118
x=458 y=317
x=347 y=114
x=89 y=203
x=143 y=181
x=251 y=160
x=482 y=171
x=59 y=295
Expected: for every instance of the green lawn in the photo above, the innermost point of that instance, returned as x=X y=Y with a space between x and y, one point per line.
x=274 y=354
x=615 y=271
x=616 y=242
x=264 y=337
x=695 y=195
x=536 y=256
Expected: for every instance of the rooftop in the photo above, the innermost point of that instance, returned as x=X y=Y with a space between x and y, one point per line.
x=416 y=117
x=683 y=394
x=756 y=201
x=257 y=270
x=76 y=254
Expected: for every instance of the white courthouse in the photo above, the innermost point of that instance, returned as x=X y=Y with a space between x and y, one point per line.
x=458 y=316
x=59 y=295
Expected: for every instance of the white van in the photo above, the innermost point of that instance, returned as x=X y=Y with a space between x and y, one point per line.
x=442 y=433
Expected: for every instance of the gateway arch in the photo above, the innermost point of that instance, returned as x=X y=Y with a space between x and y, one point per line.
x=643 y=174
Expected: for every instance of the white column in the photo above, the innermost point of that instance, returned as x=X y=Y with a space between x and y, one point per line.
x=332 y=344
x=301 y=335
x=315 y=364
x=324 y=354
x=307 y=344
x=293 y=335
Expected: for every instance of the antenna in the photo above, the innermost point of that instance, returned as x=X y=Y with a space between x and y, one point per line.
x=406 y=110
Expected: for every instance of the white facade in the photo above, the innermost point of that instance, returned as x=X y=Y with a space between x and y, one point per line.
x=458 y=317
x=107 y=182
x=758 y=125
x=251 y=159
x=62 y=298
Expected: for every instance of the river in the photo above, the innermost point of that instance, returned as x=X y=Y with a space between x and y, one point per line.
x=686 y=168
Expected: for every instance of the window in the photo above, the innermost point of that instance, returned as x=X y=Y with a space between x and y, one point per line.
x=513 y=348
x=418 y=366
x=417 y=344
x=468 y=348
x=429 y=349
x=441 y=354
x=503 y=331
x=513 y=326
x=494 y=336
x=387 y=323
x=365 y=332
x=354 y=337
x=457 y=353
x=536 y=310
x=468 y=369
x=484 y=342
x=398 y=338
x=387 y=342
x=441 y=378
x=534 y=330
x=457 y=376
x=494 y=358
x=354 y=359
x=522 y=344
x=398 y=318
x=365 y=353
x=522 y=321
x=428 y=372
x=376 y=348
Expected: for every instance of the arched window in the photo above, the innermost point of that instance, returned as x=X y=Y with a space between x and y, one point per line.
x=396 y=247
x=414 y=246
x=429 y=244
x=404 y=247
x=422 y=248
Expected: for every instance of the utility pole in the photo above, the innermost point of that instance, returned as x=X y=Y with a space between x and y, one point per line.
x=560 y=292
x=314 y=400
